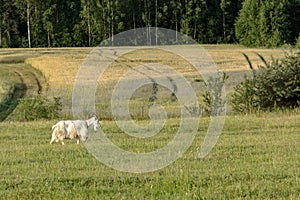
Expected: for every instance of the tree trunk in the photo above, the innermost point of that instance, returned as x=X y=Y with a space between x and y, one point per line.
x=1 y=29
x=176 y=25
x=149 y=23
x=89 y=23
x=28 y=23
x=0 y=32
x=134 y=31
x=223 y=8
x=156 y=22
x=48 y=35
x=186 y=19
x=112 y=26
x=195 y=31
x=224 y=26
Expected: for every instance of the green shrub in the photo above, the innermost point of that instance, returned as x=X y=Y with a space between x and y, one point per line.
x=277 y=85
x=243 y=96
x=38 y=107
x=213 y=100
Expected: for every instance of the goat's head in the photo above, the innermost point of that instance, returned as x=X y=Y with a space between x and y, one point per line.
x=96 y=124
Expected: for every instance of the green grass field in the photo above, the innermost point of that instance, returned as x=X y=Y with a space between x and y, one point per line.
x=256 y=157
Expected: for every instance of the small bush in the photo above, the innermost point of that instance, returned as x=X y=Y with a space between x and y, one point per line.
x=38 y=107
x=277 y=85
x=213 y=100
x=243 y=96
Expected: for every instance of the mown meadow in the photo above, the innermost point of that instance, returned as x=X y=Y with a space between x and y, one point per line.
x=256 y=157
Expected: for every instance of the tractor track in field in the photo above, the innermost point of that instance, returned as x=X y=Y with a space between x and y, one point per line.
x=38 y=83
x=31 y=81
x=27 y=82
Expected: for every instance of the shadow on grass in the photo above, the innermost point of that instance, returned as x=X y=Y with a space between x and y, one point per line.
x=11 y=101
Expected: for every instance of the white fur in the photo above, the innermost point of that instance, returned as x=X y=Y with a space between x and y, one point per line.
x=70 y=129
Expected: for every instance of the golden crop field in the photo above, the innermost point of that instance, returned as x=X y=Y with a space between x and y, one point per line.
x=61 y=67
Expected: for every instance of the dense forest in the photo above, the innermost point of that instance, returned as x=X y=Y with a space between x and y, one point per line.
x=80 y=23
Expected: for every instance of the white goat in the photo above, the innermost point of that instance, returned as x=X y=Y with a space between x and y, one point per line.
x=70 y=129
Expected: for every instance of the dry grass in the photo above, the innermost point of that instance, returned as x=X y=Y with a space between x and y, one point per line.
x=61 y=67
x=230 y=58
x=60 y=70
x=146 y=56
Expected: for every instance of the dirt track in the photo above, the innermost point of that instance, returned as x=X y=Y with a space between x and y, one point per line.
x=23 y=81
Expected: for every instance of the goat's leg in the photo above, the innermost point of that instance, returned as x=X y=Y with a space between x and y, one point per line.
x=78 y=141
x=52 y=140
x=62 y=140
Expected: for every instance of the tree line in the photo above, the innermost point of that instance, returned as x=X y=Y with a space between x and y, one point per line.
x=81 y=23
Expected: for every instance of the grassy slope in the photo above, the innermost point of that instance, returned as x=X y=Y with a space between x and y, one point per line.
x=256 y=157
x=17 y=79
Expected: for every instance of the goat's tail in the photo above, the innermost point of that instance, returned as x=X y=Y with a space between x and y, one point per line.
x=60 y=123
x=54 y=126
